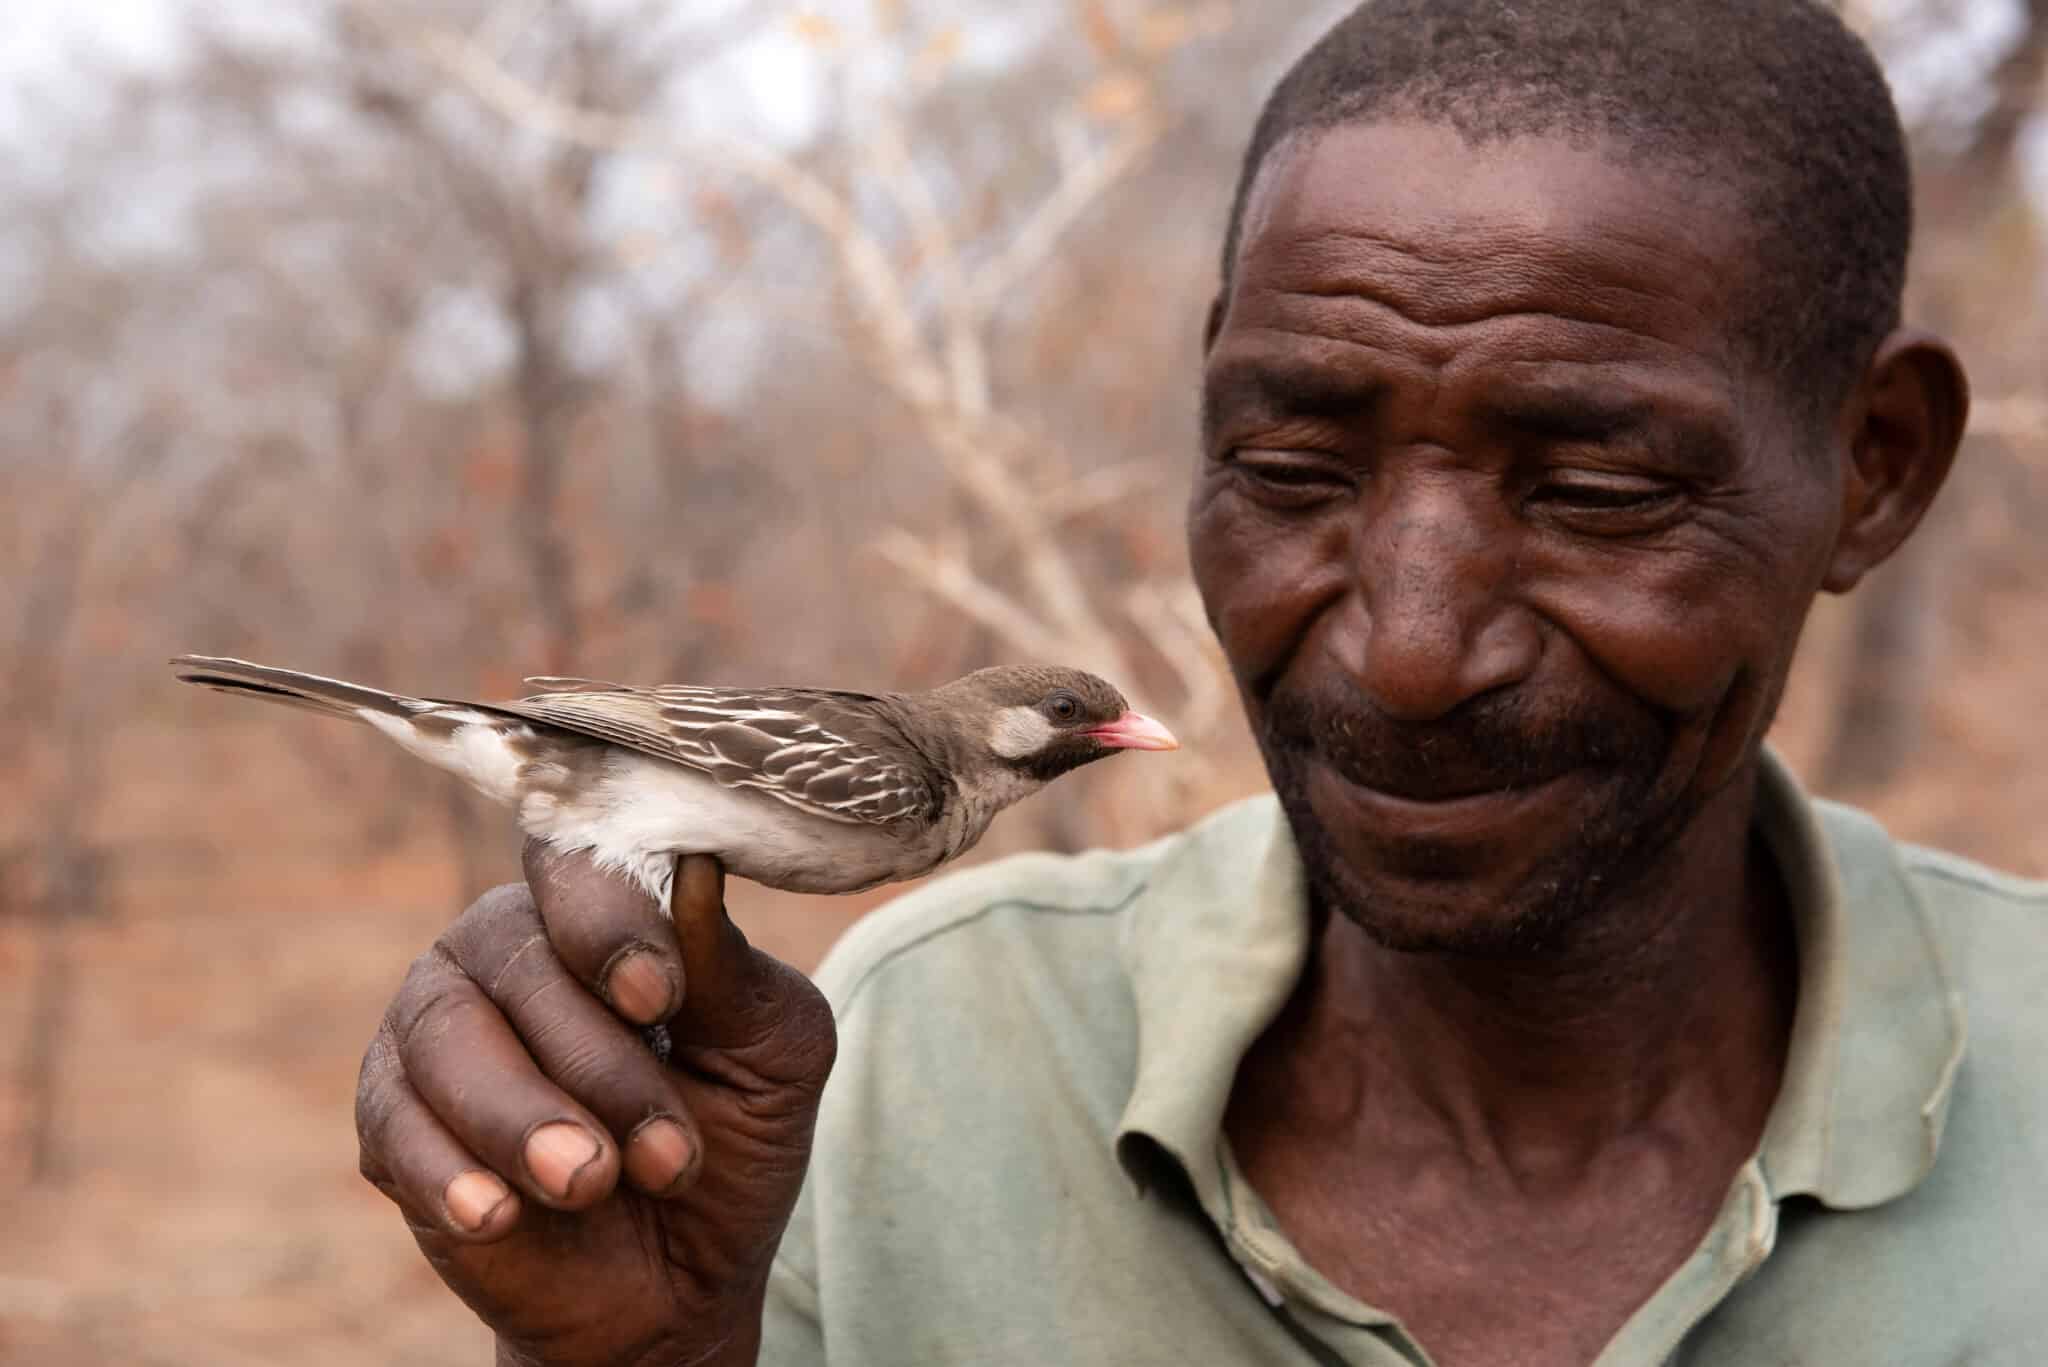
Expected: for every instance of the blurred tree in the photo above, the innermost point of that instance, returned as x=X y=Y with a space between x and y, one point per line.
x=433 y=341
x=1976 y=239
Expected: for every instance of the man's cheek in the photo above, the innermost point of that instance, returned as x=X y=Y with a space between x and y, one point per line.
x=1264 y=587
x=1676 y=642
x=1705 y=658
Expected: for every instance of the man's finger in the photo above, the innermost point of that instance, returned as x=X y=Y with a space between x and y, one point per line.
x=410 y=1156
x=580 y=1046
x=740 y=999
x=717 y=960
x=470 y=1069
x=610 y=934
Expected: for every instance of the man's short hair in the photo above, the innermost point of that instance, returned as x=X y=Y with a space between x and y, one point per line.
x=1777 y=97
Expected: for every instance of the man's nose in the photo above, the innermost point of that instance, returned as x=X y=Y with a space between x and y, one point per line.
x=1434 y=619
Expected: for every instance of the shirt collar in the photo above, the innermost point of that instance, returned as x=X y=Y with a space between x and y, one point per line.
x=1879 y=1032
x=1215 y=943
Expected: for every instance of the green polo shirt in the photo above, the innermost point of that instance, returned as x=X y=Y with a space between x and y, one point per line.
x=1020 y=1156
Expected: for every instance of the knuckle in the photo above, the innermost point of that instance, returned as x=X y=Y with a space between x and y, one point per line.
x=373 y=1079
x=802 y=1006
x=427 y=982
x=422 y=1019
x=811 y=1036
x=379 y=1095
x=505 y=901
x=506 y=911
x=598 y=1067
x=372 y=1170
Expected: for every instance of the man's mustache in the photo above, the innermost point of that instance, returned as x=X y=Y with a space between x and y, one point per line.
x=1491 y=743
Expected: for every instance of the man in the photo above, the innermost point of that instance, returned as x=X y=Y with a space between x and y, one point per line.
x=1539 y=1018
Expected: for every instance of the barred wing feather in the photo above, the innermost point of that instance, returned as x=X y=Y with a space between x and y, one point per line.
x=827 y=753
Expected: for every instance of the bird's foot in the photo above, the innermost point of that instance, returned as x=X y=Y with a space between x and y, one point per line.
x=658 y=1041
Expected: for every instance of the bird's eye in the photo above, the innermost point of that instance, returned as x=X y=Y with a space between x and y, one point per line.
x=1063 y=707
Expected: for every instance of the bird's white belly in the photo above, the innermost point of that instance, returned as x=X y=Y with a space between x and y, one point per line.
x=644 y=812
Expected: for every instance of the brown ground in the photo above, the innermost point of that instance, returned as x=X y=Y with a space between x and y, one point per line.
x=202 y=1207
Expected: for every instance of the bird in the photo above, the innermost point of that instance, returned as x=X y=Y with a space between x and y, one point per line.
x=809 y=790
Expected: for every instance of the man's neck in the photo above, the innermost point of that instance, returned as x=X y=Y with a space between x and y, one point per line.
x=1666 y=1018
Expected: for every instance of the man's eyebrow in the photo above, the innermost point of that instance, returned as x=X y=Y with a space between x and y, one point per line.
x=1593 y=415
x=1263 y=385
x=1567 y=414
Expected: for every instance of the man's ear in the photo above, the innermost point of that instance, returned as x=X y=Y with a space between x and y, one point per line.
x=1908 y=416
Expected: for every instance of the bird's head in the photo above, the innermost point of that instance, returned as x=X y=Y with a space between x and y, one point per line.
x=1038 y=722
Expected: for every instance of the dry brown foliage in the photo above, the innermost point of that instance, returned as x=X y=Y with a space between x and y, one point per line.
x=438 y=342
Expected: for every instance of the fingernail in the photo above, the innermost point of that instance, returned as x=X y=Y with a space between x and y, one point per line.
x=471 y=1198
x=640 y=987
x=657 y=1155
x=556 y=1153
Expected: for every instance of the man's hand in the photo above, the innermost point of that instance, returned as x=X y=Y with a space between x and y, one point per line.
x=508 y=1088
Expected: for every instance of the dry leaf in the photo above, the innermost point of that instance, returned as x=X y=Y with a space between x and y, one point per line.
x=1118 y=95
x=816 y=30
x=1211 y=20
x=939 y=53
x=639 y=248
x=1100 y=30
x=722 y=217
x=1163 y=30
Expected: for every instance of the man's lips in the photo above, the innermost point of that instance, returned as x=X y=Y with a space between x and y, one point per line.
x=1134 y=731
x=1465 y=814
x=1435 y=782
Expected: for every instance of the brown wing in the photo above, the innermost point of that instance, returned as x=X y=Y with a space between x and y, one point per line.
x=829 y=753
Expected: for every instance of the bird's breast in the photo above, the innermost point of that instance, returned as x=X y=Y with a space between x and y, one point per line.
x=641 y=813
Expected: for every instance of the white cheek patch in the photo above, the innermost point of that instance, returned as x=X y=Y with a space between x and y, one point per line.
x=1019 y=731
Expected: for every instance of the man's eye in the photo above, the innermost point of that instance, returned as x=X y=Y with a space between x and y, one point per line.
x=1294 y=477
x=1625 y=502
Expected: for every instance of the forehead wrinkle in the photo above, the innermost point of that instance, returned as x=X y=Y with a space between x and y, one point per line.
x=1452 y=249
x=1383 y=331
x=1468 y=292
x=1651 y=375
x=1314 y=375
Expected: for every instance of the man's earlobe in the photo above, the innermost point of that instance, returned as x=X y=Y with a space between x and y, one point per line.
x=1909 y=418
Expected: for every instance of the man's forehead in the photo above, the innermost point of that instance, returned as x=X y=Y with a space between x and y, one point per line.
x=1445 y=231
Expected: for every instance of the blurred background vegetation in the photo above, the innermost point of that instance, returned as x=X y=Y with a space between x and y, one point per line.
x=438 y=342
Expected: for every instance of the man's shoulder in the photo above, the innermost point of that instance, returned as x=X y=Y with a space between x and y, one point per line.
x=1944 y=883
x=1953 y=883
x=1059 y=910
x=1993 y=930
x=1989 y=927
x=998 y=909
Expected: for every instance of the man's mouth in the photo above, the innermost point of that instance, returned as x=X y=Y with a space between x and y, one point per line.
x=1465 y=811
x=1443 y=790
x=1436 y=781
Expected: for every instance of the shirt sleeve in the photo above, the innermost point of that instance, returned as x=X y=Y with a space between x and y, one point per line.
x=791 y=1333
x=792 y=1329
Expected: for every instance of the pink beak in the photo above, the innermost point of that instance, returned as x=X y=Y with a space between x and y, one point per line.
x=1135 y=731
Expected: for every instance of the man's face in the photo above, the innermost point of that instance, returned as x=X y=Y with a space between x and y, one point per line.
x=1508 y=550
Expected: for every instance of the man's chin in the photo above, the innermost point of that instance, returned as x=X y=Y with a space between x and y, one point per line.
x=1493 y=874
x=1433 y=916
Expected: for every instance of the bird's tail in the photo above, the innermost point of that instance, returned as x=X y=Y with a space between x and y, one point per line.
x=333 y=697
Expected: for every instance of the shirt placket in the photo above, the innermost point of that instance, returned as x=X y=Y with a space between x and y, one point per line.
x=1736 y=1245
x=1345 y=1328
x=1740 y=1240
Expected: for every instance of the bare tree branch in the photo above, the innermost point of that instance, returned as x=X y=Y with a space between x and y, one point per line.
x=886 y=308
x=1079 y=191
x=950 y=578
